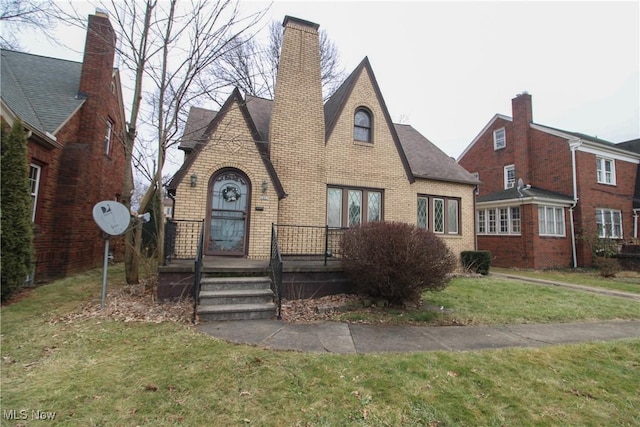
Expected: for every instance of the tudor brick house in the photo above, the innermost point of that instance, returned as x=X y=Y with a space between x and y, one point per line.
x=74 y=118
x=294 y=160
x=548 y=197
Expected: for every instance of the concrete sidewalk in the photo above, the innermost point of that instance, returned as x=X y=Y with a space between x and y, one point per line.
x=347 y=338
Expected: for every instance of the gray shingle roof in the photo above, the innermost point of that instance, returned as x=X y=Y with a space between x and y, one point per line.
x=512 y=193
x=632 y=145
x=428 y=161
x=41 y=91
x=197 y=122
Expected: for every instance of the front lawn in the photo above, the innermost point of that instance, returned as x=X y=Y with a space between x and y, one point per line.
x=96 y=371
x=493 y=300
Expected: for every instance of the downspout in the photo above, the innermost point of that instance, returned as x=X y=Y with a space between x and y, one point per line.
x=574 y=146
x=635 y=223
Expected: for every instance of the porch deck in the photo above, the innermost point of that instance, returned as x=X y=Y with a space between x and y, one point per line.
x=221 y=264
x=302 y=278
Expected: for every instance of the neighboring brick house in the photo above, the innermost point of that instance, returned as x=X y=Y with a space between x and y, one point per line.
x=74 y=118
x=295 y=160
x=575 y=191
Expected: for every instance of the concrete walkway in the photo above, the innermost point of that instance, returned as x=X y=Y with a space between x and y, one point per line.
x=602 y=291
x=352 y=338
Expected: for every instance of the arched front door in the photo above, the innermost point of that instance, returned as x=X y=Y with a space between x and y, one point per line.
x=227 y=228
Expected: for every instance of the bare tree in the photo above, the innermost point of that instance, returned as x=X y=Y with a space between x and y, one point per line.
x=19 y=16
x=252 y=67
x=164 y=46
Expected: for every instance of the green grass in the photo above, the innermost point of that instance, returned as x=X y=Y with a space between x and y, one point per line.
x=99 y=372
x=626 y=281
x=493 y=300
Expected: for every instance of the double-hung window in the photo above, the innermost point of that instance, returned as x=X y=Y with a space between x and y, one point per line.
x=362 y=125
x=509 y=176
x=350 y=207
x=605 y=171
x=609 y=223
x=551 y=221
x=499 y=139
x=108 y=135
x=35 y=172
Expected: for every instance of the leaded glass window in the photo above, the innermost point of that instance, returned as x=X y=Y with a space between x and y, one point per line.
x=374 y=212
x=438 y=215
x=355 y=208
x=423 y=209
x=334 y=207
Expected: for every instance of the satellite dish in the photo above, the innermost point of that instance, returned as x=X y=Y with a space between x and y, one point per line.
x=520 y=184
x=112 y=217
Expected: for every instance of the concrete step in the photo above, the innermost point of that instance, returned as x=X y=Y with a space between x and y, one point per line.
x=240 y=296
x=236 y=311
x=234 y=283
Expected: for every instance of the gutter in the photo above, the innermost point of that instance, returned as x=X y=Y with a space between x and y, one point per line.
x=574 y=147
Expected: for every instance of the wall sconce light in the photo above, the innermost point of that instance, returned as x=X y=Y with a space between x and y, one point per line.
x=194 y=180
x=265 y=185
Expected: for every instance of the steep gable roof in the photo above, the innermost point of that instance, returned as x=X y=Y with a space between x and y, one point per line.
x=262 y=148
x=197 y=122
x=334 y=106
x=427 y=160
x=42 y=91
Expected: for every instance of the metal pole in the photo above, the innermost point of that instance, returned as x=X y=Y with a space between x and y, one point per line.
x=104 y=272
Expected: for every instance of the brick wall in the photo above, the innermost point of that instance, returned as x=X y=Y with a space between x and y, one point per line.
x=231 y=146
x=81 y=174
x=296 y=131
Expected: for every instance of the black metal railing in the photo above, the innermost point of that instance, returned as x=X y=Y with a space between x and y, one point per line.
x=309 y=242
x=275 y=263
x=197 y=273
x=182 y=239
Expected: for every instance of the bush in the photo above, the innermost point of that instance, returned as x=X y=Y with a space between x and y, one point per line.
x=396 y=261
x=608 y=267
x=476 y=261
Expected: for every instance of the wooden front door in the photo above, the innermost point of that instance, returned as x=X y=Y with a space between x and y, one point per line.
x=229 y=195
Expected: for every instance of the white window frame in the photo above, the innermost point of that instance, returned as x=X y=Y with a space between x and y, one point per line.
x=602 y=175
x=453 y=209
x=423 y=222
x=602 y=214
x=107 y=137
x=499 y=139
x=499 y=221
x=509 y=183
x=550 y=220
x=34 y=190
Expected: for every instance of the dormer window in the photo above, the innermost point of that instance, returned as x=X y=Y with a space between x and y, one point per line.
x=362 y=125
x=499 y=139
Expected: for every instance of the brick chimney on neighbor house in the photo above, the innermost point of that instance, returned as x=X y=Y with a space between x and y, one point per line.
x=522 y=114
x=297 y=135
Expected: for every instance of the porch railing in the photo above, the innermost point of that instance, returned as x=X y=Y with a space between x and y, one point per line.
x=197 y=273
x=309 y=242
x=182 y=237
x=276 y=269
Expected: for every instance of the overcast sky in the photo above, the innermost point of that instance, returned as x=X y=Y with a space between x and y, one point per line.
x=448 y=67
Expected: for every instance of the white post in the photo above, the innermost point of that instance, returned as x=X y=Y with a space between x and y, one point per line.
x=104 y=272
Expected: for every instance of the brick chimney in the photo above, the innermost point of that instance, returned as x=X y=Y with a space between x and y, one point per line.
x=297 y=124
x=521 y=108
x=522 y=114
x=99 y=54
